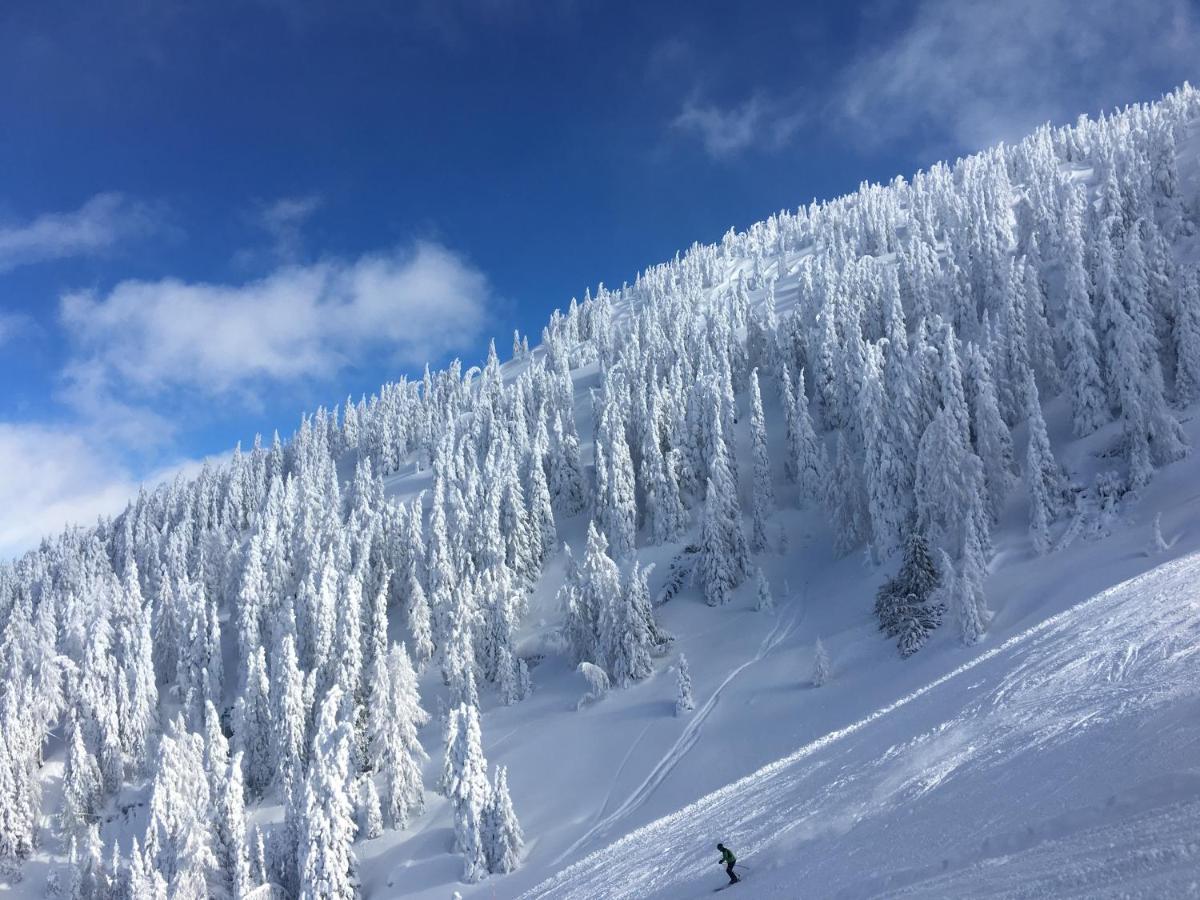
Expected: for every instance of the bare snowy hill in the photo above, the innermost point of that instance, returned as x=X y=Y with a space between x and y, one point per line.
x=550 y=628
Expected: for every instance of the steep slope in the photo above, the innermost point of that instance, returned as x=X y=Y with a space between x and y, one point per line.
x=1061 y=762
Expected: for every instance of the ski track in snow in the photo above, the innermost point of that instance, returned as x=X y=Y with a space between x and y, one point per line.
x=686 y=740
x=1114 y=804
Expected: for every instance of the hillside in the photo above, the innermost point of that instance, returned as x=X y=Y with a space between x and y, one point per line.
x=351 y=662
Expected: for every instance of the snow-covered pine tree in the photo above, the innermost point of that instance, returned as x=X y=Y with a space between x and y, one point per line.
x=370 y=815
x=1185 y=336
x=465 y=784
x=326 y=855
x=1045 y=478
x=972 y=613
x=683 y=688
x=625 y=631
x=764 y=602
x=993 y=442
x=821 y=669
x=395 y=716
x=503 y=839
x=902 y=604
x=566 y=471
x=804 y=450
x=179 y=840
x=764 y=492
x=587 y=591
x=1078 y=329
x=886 y=475
x=597 y=681
x=717 y=570
x=81 y=783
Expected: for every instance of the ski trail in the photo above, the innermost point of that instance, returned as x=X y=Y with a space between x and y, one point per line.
x=764 y=804
x=686 y=740
x=621 y=768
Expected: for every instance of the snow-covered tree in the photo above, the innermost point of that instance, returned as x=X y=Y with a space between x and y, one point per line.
x=902 y=604
x=370 y=814
x=597 y=681
x=821 y=668
x=395 y=716
x=464 y=782
x=179 y=841
x=503 y=839
x=1078 y=328
x=764 y=492
x=326 y=855
x=683 y=688
x=764 y=601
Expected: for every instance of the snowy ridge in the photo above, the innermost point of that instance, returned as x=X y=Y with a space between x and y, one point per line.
x=1074 y=690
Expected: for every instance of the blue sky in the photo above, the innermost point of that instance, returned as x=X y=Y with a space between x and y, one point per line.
x=214 y=216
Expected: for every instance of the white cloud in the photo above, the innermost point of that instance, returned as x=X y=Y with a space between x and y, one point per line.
x=301 y=321
x=54 y=477
x=727 y=131
x=978 y=71
x=97 y=227
x=284 y=221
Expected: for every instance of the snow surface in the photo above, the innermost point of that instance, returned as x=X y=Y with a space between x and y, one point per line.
x=1073 y=725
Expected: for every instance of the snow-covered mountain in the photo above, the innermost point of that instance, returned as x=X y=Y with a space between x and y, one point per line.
x=436 y=641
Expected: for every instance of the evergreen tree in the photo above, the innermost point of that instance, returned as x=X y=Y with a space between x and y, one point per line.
x=902 y=604
x=765 y=602
x=974 y=614
x=370 y=816
x=1045 y=478
x=503 y=839
x=464 y=781
x=764 y=493
x=626 y=631
x=81 y=783
x=395 y=716
x=231 y=851
x=179 y=834
x=683 y=693
x=326 y=856
x=993 y=442
x=821 y=668
x=805 y=454
x=420 y=619
x=1079 y=330
x=1185 y=335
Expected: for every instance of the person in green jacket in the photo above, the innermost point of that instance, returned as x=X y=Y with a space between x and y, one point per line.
x=727 y=860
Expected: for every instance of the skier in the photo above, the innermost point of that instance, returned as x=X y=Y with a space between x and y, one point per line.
x=727 y=860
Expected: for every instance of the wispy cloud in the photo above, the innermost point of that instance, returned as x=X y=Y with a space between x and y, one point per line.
x=298 y=322
x=284 y=220
x=55 y=477
x=725 y=131
x=97 y=227
x=976 y=71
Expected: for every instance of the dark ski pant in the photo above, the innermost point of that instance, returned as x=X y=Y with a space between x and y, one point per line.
x=729 y=871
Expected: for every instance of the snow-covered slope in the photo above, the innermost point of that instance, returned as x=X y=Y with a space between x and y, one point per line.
x=1062 y=762
x=1075 y=718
